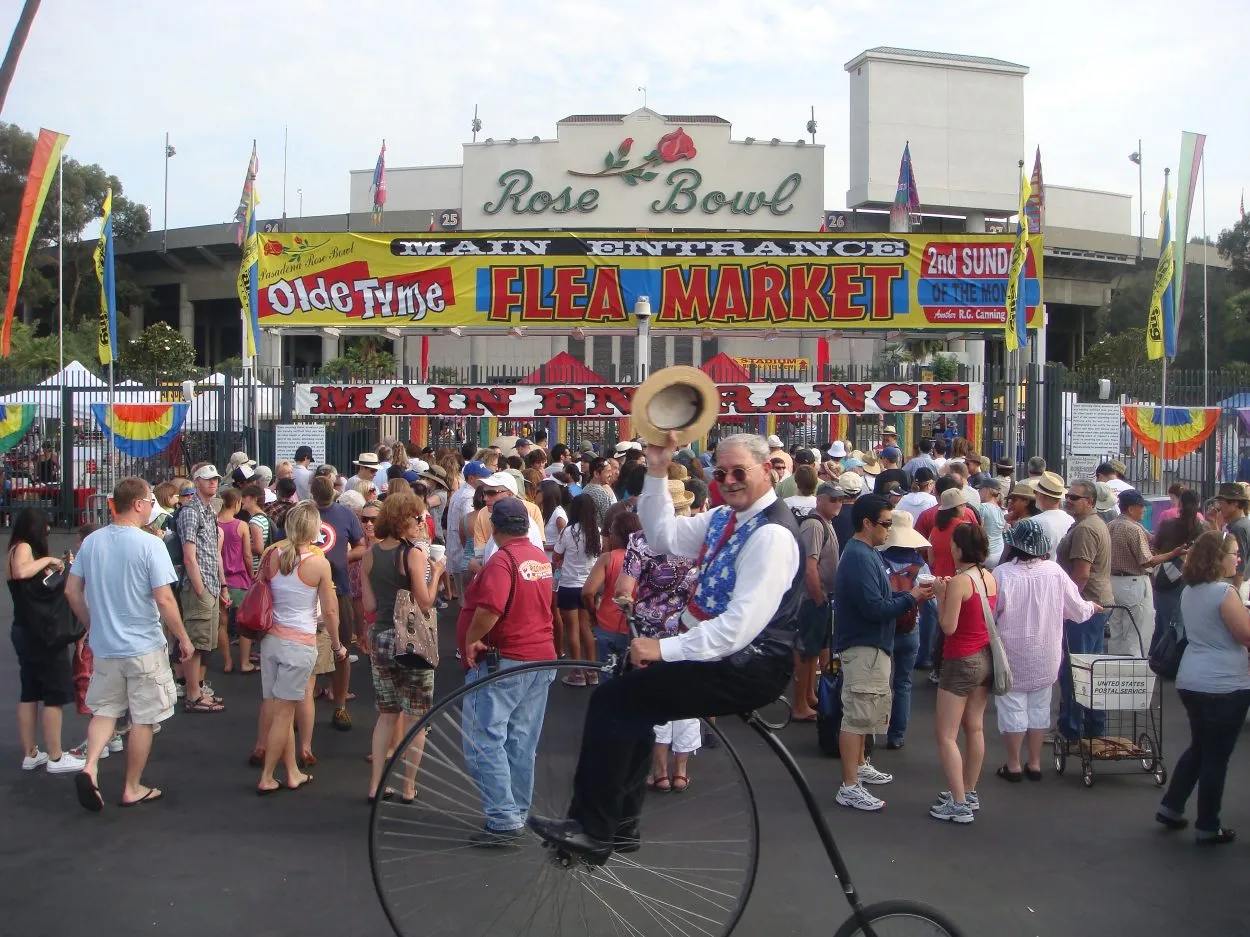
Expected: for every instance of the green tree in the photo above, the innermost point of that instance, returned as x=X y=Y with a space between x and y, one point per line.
x=1124 y=352
x=158 y=354
x=363 y=358
x=85 y=187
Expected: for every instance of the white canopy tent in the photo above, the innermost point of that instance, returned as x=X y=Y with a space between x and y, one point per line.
x=206 y=409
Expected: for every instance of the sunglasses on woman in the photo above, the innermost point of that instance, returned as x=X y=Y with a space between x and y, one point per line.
x=368 y=518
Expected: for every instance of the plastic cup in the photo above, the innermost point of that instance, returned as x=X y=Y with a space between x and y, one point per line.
x=925 y=579
x=437 y=552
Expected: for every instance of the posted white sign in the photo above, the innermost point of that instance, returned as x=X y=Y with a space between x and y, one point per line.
x=288 y=437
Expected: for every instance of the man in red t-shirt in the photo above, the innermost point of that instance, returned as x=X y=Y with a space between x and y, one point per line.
x=506 y=617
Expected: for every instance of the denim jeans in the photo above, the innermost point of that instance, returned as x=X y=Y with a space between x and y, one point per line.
x=1083 y=637
x=608 y=643
x=926 y=630
x=502 y=723
x=906 y=647
x=1215 y=722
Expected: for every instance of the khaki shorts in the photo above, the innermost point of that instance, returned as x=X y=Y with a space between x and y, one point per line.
x=325 y=654
x=200 y=618
x=144 y=685
x=962 y=675
x=347 y=618
x=866 y=695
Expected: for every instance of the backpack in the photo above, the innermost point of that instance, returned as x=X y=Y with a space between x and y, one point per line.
x=799 y=515
x=903 y=581
x=172 y=538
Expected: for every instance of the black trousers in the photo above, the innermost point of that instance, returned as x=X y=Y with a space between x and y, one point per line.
x=610 y=783
x=1215 y=723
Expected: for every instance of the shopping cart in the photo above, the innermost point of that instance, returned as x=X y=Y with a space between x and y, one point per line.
x=1125 y=718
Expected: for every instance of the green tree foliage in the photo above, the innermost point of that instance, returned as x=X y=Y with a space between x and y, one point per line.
x=1121 y=352
x=85 y=187
x=362 y=358
x=159 y=354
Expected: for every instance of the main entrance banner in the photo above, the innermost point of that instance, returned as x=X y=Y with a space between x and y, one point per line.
x=720 y=281
x=613 y=401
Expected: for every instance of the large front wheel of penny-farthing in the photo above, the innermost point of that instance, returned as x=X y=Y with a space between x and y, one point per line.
x=437 y=871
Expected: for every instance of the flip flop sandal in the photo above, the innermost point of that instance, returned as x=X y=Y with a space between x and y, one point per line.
x=307 y=760
x=202 y=705
x=151 y=796
x=257 y=758
x=308 y=779
x=1015 y=777
x=685 y=783
x=88 y=794
x=653 y=784
x=266 y=791
x=408 y=801
x=386 y=795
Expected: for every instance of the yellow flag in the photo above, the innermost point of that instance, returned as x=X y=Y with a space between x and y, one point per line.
x=108 y=287
x=1016 y=312
x=1161 y=319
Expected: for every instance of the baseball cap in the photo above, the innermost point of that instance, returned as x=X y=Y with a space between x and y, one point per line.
x=501 y=480
x=510 y=515
x=476 y=469
x=243 y=473
x=851 y=484
x=207 y=471
x=891 y=488
x=240 y=458
x=830 y=490
x=805 y=457
x=774 y=442
x=853 y=464
x=524 y=441
x=1130 y=498
x=893 y=453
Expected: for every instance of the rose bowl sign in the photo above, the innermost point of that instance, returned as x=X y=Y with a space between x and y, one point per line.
x=643 y=171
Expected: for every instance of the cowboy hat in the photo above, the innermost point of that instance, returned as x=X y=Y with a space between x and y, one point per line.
x=505 y=444
x=1023 y=490
x=1051 y=485
x=682 y=499
x=872 y=465
x=1231 y=491
x=680 y=398
x=436 y=474
x=903 y=532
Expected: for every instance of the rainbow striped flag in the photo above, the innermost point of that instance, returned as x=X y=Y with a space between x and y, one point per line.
x=15 y=420
x=1187 y=428
x=140 y=429
x=43 y=166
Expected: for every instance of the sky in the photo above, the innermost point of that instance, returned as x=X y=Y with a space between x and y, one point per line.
x=341 y=76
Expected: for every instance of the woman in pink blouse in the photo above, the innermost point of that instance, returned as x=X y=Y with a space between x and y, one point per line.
x=1034 y=597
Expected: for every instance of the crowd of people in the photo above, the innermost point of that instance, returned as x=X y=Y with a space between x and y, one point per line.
x=901 y=565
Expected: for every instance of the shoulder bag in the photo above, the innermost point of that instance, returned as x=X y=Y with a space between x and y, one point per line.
x=40 y=606
x=254 y=619
x=1002 y=669
x=416 y=632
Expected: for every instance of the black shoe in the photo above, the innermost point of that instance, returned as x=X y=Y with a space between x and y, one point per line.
x=1218 y=838
x=569 y=836
x=491 y=839
x=1172 y=823
x=894 y=746
x=628 y=838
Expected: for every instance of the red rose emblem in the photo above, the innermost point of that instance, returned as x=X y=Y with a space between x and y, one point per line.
x=676 y=145
x=273 y=248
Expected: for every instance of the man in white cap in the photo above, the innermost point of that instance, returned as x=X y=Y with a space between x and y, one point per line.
x=204 y=590
x=778 y=451
x=494 y=487
x=367 y=467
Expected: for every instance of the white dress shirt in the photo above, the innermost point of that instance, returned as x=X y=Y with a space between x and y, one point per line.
x=765 y=568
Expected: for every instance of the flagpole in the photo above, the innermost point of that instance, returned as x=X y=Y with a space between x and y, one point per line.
x=60 y=267
x=1163 y=404
x=1206 y=331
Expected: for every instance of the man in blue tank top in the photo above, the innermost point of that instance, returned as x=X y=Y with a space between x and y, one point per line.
x=736 y=654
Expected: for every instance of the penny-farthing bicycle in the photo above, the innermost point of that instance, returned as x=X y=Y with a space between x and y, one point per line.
x=691 y=874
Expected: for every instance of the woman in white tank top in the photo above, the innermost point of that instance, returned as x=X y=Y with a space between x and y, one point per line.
x=302 y=584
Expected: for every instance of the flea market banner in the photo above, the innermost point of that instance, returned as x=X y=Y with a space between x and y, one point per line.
x=545 y=280
x=613 y=401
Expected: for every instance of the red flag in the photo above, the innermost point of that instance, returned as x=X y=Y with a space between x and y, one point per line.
x=43 y=165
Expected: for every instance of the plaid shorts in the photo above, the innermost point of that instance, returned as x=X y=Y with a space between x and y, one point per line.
x=397 y=688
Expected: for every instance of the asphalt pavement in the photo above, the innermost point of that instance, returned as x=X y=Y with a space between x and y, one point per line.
x=213 y=860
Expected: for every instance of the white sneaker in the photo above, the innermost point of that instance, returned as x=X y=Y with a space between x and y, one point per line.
x=30 y=763
x=116 y=744
x=870 y=775
x=66 y=764
x=970 y=798
x=952 y=812
x=855 y=796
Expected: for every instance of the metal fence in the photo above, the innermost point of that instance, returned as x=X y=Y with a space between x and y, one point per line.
x=64 y=462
